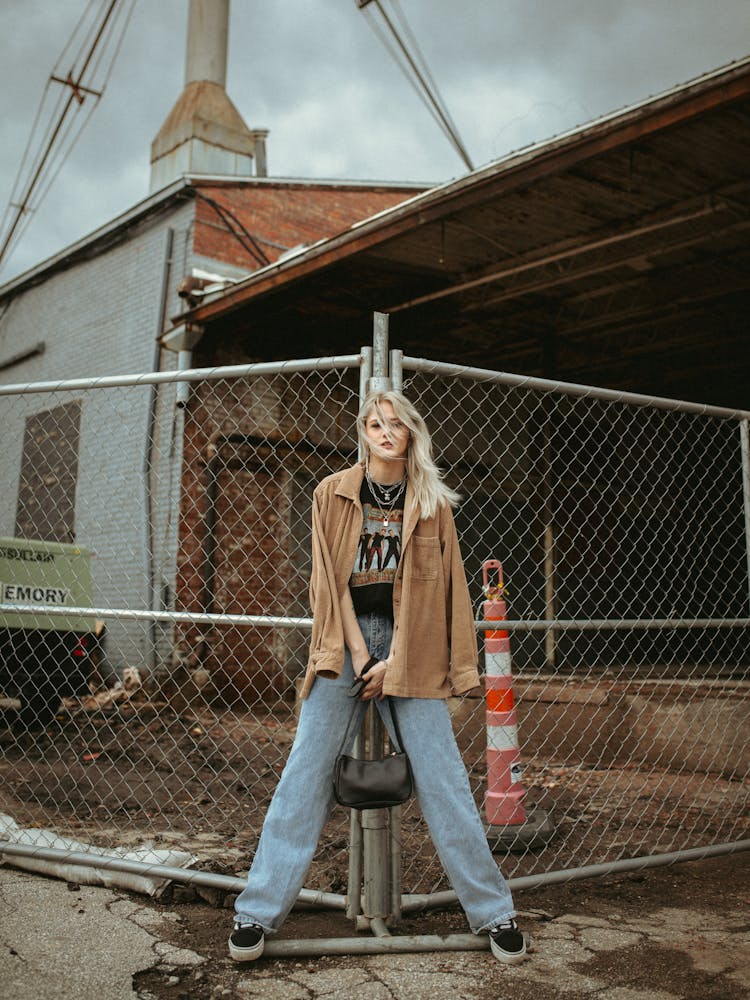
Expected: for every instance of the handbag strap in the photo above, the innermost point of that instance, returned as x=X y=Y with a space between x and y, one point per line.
x=398 y=744
x=394 y=736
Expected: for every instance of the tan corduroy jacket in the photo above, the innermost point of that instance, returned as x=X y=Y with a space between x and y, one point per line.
x=435 y=646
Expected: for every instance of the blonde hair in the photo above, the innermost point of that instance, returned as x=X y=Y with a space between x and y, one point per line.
x=430 y=491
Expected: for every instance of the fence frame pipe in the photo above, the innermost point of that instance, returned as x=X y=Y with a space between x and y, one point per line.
x=381 y=943
x=254 y=370
x=488 y=376
x=285 y=621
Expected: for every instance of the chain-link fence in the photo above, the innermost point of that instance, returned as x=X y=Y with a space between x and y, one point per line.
x=622 y=530
x=182 y=535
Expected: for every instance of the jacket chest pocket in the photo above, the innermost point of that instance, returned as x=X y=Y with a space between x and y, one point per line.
x=425 y=558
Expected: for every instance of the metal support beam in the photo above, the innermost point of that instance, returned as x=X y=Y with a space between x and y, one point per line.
x=562 y=256
x=561 y=276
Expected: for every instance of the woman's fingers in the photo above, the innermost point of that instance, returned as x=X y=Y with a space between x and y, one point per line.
x=376 y=673
x=374 y=678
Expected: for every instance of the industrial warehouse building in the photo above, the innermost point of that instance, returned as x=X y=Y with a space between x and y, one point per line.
x=615 y=255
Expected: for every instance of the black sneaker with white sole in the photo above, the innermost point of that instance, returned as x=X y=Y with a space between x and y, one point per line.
x=508 y=943
x=246 y=942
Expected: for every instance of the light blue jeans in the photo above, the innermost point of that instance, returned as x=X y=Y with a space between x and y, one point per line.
x=304 y=799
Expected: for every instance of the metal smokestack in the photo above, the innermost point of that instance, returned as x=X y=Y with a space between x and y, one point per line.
x=204 y=132
x=208 y=37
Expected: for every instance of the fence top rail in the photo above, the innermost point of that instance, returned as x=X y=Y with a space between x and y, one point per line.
x=254 y=370
x=570 y=388
x=342 y=361
x=289 y=621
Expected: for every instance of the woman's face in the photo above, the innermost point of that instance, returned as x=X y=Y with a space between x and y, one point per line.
x=387 y=442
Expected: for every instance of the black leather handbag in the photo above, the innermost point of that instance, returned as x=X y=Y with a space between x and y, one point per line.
x=373 y=784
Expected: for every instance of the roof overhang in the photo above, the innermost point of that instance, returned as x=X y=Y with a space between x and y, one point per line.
x=714 y=90
x=116 y=229
x=590 y=235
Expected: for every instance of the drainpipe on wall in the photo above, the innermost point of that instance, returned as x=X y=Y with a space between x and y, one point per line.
x=182 y=339
x=148 y=461
x=184 y=362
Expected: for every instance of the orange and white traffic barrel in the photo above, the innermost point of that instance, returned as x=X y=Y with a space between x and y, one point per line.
x=503 y=802
x=513 y=823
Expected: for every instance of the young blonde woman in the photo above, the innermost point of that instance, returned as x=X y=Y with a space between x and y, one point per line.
x=403 y=626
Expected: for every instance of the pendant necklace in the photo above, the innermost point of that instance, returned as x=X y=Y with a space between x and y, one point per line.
x=387 y=490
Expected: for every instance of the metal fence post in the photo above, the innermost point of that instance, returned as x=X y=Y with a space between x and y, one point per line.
x=397 y=370
x=375 y=838
x=550 y=636
x=379 y=381
x=365 y=376
x=394 y=842
x=354 y=883
x=745 y=446
x=376 y=845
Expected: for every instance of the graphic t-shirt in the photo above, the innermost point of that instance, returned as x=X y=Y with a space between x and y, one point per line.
x=378 y=553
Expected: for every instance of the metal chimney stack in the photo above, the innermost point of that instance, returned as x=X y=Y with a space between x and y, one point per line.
x=207 y=41
x=204 y=132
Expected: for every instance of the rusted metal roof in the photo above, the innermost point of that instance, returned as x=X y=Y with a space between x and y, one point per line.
x=617 y=253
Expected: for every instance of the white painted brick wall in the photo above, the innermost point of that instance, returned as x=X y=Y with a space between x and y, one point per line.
x=101 y=317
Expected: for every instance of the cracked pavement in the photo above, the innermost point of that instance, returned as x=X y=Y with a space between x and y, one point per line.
x=674 y=934
x=58 y=940
x=574 y=956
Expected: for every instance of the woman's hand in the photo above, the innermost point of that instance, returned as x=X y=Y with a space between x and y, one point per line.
x=374 y=677
x=360 y=661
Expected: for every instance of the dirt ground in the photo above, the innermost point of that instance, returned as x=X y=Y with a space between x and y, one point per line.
x=660 y=934
x=202 y=781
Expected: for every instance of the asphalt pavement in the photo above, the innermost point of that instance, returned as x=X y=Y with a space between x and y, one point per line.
x=678 y=935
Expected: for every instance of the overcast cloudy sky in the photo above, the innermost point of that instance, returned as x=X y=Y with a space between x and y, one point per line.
x=312 y=71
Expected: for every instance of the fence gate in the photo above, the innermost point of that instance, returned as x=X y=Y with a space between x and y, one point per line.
x=622 y=524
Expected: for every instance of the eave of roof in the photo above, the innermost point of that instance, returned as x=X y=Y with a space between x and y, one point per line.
x=83 y=247
x=161 y=200
x=717 y=88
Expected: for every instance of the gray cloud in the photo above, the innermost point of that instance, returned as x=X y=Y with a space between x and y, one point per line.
x=511 y=72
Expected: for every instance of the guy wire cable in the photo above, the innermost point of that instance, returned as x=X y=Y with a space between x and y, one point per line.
x=43 y=165
x=420 y=78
